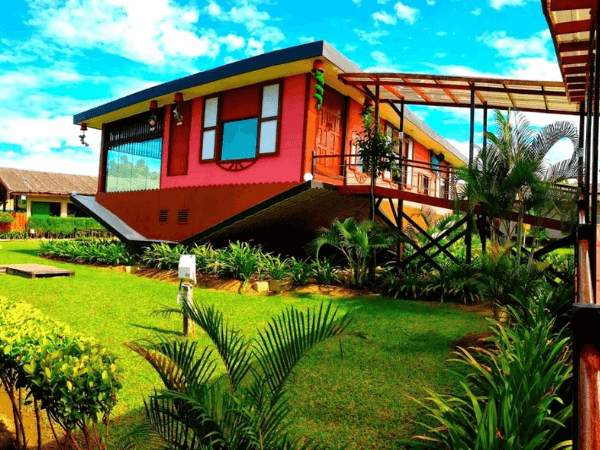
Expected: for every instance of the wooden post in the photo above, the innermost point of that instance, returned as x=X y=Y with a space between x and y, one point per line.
x=468 y=237
x=594 y=161
x=401 y=202
x=187 y=295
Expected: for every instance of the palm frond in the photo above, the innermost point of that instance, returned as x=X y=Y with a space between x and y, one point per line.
x=290 y=336
x=229 y=342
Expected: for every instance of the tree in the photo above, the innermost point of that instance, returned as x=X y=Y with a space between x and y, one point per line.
x=359 y=243
x=377 y=151
x=511 y=172
x=246 y=408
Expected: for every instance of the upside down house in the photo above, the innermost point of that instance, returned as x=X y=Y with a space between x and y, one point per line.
x=247 y=151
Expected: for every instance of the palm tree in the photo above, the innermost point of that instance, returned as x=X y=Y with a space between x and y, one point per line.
x=512 y=172
x=359 y=243
x=246 y=408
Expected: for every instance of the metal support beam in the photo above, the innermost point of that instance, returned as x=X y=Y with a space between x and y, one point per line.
x=468 y=237
x=373 y=168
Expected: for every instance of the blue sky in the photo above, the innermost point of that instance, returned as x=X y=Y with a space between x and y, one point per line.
x=60 y=57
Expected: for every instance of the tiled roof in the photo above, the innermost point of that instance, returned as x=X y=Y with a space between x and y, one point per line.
x=30 y=182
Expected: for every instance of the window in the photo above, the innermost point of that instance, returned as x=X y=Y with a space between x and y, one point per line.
x=423 y=184
x=240 y=128
x=133 y=154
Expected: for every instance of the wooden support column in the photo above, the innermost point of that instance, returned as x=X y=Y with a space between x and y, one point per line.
x=594 y=161
x=468 y=237
x=580 y=173
x=588 y=143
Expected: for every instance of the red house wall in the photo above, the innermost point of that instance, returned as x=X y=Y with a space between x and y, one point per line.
x=284 y=168
x=207 y=206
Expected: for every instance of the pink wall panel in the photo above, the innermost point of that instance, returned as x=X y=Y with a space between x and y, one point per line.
x=277 y=169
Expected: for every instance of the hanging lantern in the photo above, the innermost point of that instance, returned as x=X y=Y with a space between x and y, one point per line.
x=83 y=129
x=152 y=119
x=177 y=109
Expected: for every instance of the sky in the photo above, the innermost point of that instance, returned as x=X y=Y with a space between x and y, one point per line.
x=62 y=57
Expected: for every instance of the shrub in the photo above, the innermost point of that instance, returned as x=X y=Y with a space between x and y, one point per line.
x=515 y=395
x=57 y=227
x=275 y=268
x=71 y=377
x=14 y=235
x=97 y=251
x=163 y=256
x=6 y=218
x=242 y=261
x=324 y=271
x=299 y=271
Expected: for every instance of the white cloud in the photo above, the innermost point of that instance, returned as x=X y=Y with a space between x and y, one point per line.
x=306 y=39
x=461 y=146
x=350 y=47
x=430 y=2
x=382 y=2
x=384 y=17
x=156 y=34
x=441 y=33
x=233 y=42
x=510 y=47
x=406 y=13
x=254 y=47
x=440 y=55
x=499 y=4
x=356 y=2
x=380 y=57
x=371 y=37
x=476 y=12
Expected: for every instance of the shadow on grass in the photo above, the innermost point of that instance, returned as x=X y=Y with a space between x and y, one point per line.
x=31 y=252
x=157 y=330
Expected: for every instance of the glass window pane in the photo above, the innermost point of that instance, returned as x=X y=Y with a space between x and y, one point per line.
x=239 y=139
x=268 y=137
x=270 y=101
x=208 y=144
x=210 y=112
x=134 y=166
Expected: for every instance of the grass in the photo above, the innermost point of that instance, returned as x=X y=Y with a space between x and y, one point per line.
x=359 y=401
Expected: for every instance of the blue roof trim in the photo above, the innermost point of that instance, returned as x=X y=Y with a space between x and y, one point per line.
x=274 y=58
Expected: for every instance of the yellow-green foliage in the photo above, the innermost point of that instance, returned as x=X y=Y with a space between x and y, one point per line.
x=72 y=377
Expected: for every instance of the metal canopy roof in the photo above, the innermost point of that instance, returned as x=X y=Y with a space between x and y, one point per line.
x=437 y=90
x=570 y=24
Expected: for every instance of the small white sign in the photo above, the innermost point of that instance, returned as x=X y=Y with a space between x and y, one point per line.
x=187 y=267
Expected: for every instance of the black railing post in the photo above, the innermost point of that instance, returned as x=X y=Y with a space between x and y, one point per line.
x=468 y=237
x=314 y=164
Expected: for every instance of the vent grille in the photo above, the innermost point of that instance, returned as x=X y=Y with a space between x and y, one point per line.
x=182 y=216
x=163 y=215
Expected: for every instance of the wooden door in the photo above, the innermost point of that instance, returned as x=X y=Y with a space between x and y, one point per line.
x=330 y=129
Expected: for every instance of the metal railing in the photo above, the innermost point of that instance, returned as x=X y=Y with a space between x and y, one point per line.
x=420 y=177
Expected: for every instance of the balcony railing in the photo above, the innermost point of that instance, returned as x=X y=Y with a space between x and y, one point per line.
x=420 y=177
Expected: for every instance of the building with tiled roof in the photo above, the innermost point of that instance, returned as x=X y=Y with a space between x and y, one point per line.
x=42 y=194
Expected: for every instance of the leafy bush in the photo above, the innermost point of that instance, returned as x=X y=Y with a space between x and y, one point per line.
x=242 y=261
x=163 y=256
x=71 y=377
x=515 y=395
x=324 y=271
x=57 y=227
x=6 y=218
x=300 y=270
x=14 y=235
x=97 y=251
x=275 y=268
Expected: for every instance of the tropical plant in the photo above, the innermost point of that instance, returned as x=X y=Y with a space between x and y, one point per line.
x=275 y=268
x=299 y=271
x=514 y=395
x=163 y=256
x=246 y=408
x=377 y=151
x=325 y=271
x=242 y=261
x=511 y=172
x=359 y=242
x=6 y=218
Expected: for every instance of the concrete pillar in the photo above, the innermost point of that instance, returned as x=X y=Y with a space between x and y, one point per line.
x=63 y=208
x=28 y=207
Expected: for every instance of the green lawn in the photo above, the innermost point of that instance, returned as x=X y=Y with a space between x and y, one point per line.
x=360 y=401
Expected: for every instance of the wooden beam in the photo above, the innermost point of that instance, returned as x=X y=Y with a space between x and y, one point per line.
x=419 y=91
x=577 y=70
x=575 y=26
x=576 y=79
x=460 y=87
x=490 y=105
x=448 y=93
x=579 y=59
x=574 y=46
x=567 y=5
